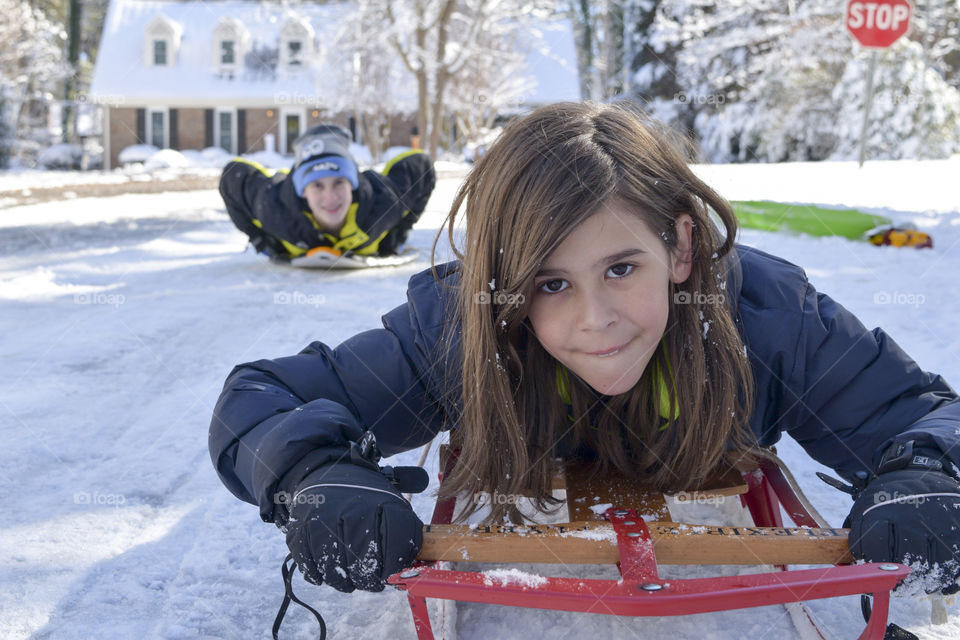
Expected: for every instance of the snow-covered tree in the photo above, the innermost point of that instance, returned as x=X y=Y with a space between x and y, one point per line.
x=599 y=27
x=780 y=74
x=373 y=76
x=763 y=80
x=914 y=114
x=936 y=26
x=492 y=85
x=651 y=50
x=31 y=65
x=438 y=39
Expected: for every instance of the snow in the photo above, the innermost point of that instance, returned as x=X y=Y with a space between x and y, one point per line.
x=166 y=159
x=137 y=153
x=123 y=315
x=512 y=576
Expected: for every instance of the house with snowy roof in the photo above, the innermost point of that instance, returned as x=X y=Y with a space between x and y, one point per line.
x=248 y=76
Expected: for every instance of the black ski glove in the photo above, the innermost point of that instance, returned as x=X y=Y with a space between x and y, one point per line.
x=910 y=513
x=349 y=526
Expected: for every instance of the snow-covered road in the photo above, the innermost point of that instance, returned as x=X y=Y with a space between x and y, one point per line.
x=123 y=315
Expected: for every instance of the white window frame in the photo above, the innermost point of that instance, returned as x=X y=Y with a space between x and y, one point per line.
x=229 y=29
x=291 y=111
x=162 y=28
x=296 y=30
x=233 y=132
x=166 y=126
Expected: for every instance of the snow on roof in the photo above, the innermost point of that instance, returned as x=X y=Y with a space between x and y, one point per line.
x=123 y=78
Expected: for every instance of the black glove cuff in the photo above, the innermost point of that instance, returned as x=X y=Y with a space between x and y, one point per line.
x=906 y=455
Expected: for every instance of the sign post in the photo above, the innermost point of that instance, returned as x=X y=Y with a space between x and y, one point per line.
x=875 y=24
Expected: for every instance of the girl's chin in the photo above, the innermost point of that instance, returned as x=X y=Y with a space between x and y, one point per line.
x=614 y=388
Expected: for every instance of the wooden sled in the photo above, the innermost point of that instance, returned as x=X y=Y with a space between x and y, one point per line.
x=637 y=534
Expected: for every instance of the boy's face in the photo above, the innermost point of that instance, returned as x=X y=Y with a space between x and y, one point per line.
x=601 y=299
x=329 y=198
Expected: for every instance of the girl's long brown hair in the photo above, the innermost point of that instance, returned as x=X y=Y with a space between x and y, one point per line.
x=546 y=173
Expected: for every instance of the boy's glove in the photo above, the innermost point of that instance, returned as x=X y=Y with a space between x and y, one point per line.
x=910 y=513
x=349 y=526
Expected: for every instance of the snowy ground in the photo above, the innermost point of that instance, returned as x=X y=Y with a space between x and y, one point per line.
x=122 y=316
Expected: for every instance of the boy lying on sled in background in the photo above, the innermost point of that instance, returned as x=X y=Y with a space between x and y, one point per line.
x=323 y=201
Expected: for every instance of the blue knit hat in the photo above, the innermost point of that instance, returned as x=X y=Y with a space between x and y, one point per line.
x=321 y=152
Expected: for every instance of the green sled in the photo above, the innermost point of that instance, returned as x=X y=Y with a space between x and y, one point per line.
x=805 y=218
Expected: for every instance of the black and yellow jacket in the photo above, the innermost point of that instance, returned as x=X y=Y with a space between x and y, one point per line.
x=265 y=206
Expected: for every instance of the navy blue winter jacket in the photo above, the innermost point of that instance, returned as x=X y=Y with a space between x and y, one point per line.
x=841 y=391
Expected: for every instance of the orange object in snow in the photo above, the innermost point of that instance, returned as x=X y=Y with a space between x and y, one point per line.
x=896 y=237
x=333 y=252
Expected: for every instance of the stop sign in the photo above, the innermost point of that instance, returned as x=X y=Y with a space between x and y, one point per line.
x=878 y=23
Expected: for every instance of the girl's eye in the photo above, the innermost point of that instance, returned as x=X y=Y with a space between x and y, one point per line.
x=553 y=286
x=620 y=270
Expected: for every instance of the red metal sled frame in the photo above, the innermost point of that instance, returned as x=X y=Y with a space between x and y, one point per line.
x=641 y=592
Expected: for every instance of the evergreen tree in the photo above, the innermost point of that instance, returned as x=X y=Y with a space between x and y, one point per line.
x=763 y=80
x=914 y=113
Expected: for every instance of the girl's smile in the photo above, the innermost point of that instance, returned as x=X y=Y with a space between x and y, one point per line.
x=606 y=353
x=602 y=298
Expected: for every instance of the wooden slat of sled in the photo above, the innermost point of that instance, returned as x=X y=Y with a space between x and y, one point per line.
x=593 y=542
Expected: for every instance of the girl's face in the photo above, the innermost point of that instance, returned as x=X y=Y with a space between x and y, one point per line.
x=329 y=198
x=601 y=299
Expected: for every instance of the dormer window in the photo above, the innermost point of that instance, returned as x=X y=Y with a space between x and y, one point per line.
x=162 y=42
x=296 y=43
x=227 y=52
x=160 y=53
x=294 y=51
x=230 y=43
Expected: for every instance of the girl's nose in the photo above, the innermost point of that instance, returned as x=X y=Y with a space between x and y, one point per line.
x=595 y=310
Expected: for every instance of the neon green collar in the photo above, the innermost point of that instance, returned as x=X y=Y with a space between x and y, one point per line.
x=657 y=380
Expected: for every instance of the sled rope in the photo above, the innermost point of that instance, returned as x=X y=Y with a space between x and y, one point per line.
x=286 y=570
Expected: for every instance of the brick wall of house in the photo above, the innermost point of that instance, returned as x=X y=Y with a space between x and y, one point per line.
x=400 y=131
x=191 y=129
x=123 y=131
x=259 y=124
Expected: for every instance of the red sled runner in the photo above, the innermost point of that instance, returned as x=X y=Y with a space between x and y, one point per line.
x=621 y=536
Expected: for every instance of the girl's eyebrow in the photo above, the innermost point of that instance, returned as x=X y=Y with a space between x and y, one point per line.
x=614 y=257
